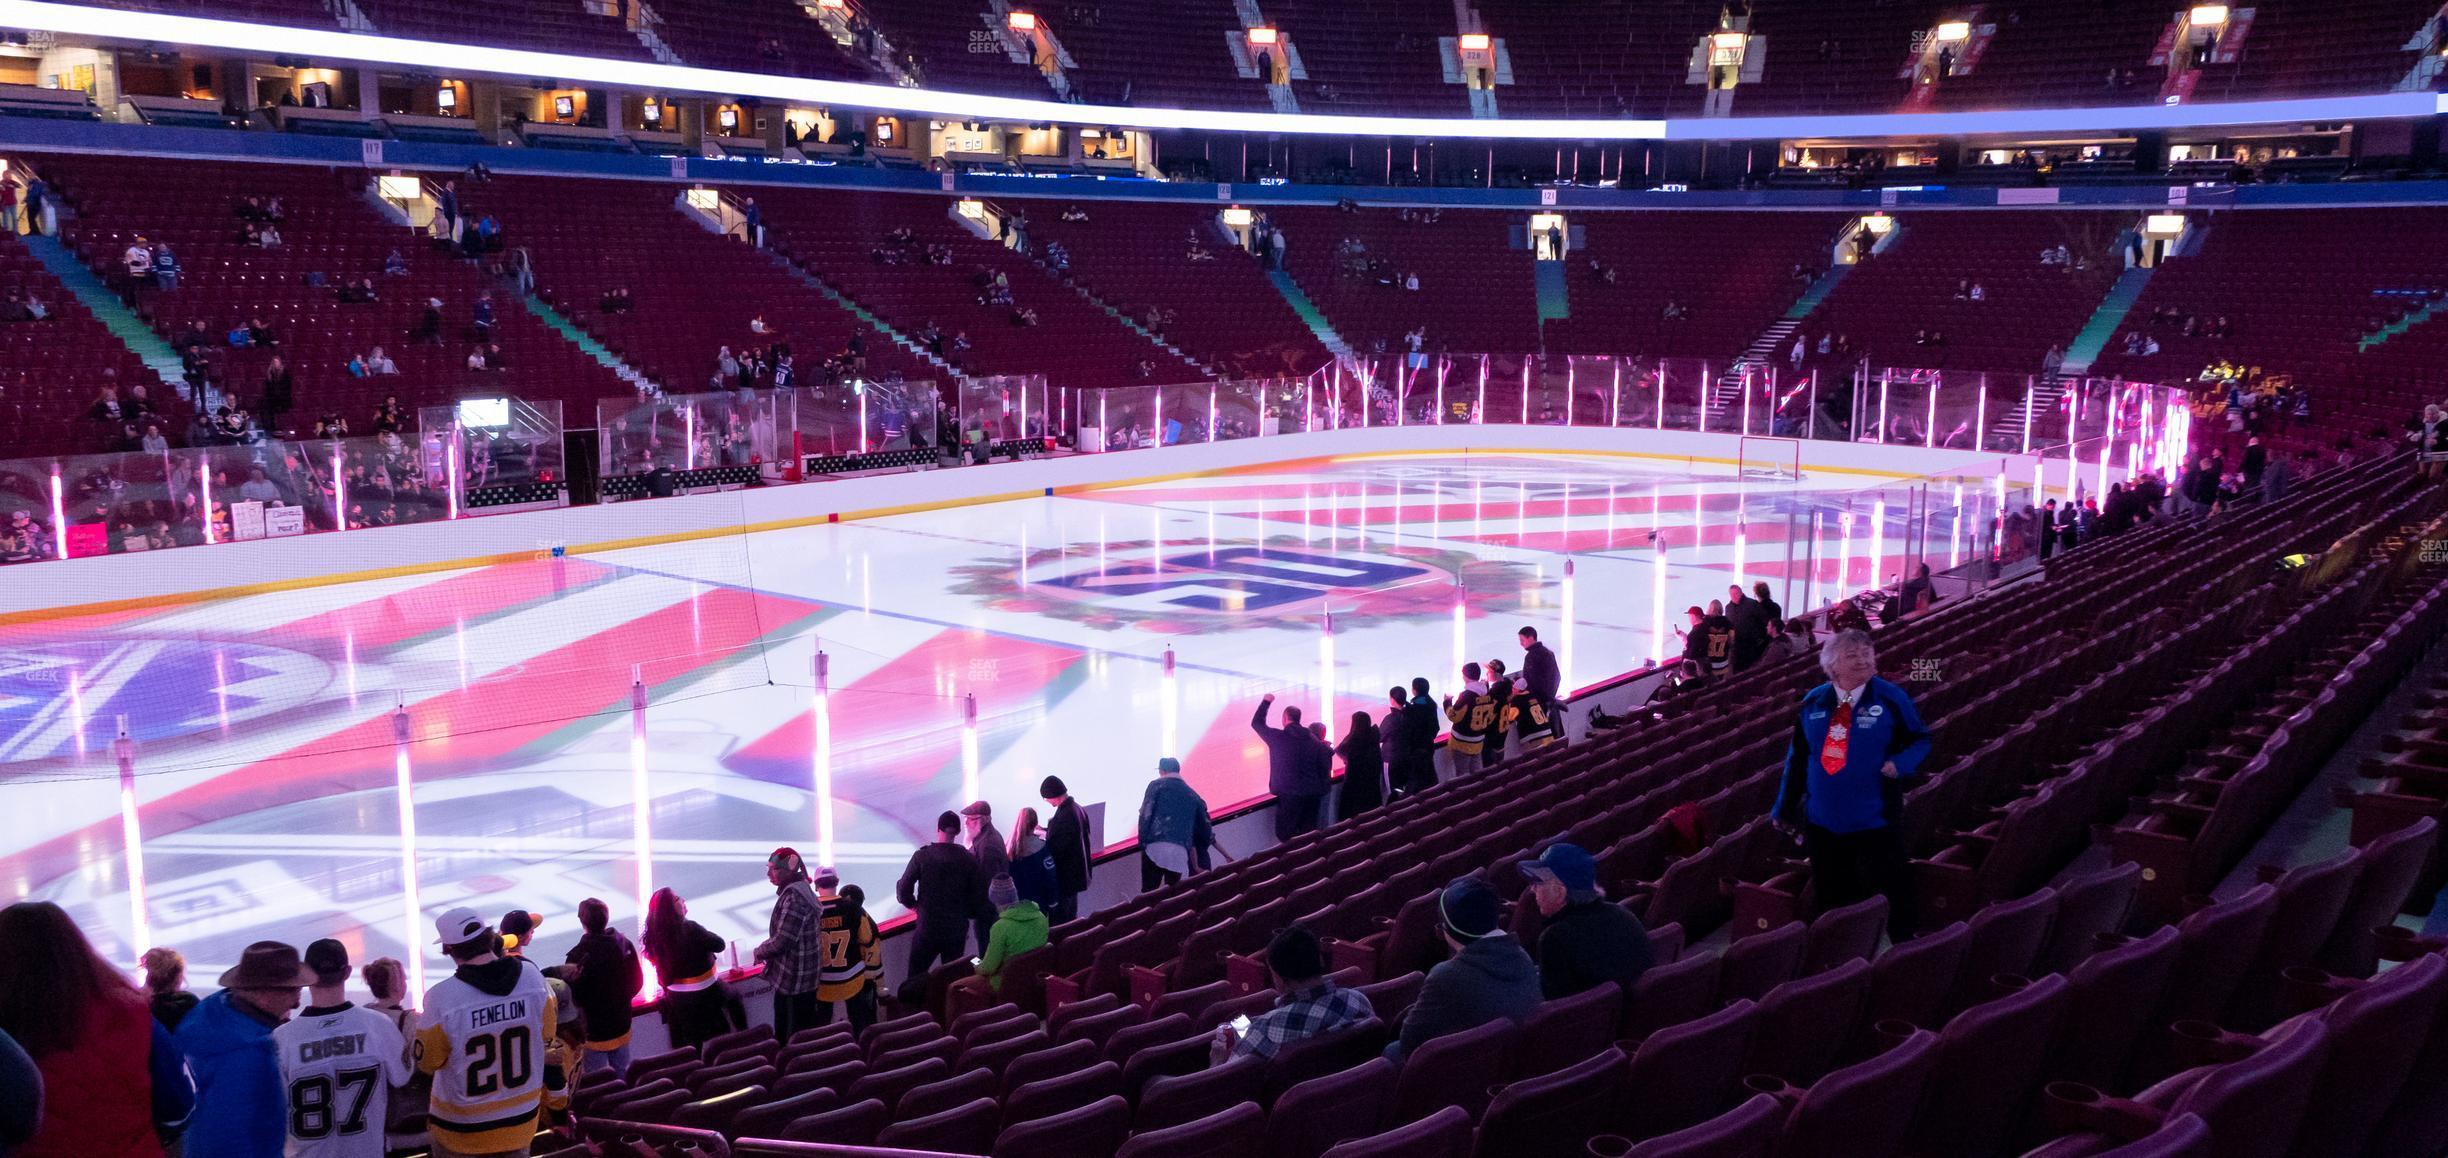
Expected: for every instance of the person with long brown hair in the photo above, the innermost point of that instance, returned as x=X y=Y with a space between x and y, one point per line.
x=114 y=1084
x=683 y=952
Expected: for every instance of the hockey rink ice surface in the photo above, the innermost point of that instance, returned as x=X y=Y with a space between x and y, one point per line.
x=268 y=780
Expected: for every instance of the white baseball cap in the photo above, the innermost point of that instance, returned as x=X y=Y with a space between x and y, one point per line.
x=459 y=926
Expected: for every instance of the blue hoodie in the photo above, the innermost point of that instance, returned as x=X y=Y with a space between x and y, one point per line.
x=241 y=1110
x=1858 y=797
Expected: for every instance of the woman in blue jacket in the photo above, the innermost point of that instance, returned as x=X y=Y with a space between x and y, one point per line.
x=1856 y=742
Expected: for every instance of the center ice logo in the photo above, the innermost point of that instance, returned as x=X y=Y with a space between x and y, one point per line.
x=1228 y=580
x=57 y=697
x=1188 y=588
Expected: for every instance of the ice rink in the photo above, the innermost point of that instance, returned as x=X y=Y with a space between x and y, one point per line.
x=268 y=770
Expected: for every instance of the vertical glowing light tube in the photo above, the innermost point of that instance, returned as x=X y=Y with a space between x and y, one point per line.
x=1742 y=546
x=140 y=922
x=1884 y=380
x=969 y=748
x=412 y=916
x=59 y=514
x=1564 y=662
x=1810 y=576
x=339 y=489
x=2028 y=389
x=1998 y=532
x=1104 y=432
x=1877 y=552
x=1955 y=545
x=1570 y=393
x=2039 y=480
x=204 y=482
x=1326 y=672
x=2108 y=442
x=1703 y=398
x=451 y=462
x=1442 y=366
x=1525 y=392
x=1980 y=416
x=1657 y=600
x=1615 y=397
x=1170 y=708
x=641 y=797
x=822 y=713
x=1211 y=412
x=860 y=389
x=1929 y=426
x=1479 y=410
x=1844 y=563
x=688 y=436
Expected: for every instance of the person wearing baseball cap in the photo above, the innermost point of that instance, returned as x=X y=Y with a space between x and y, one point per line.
x=241 y=1109
x=489 y=1035
x=1587 y=942
x=1488 y=977
x=941 y=885
x=335 y=1045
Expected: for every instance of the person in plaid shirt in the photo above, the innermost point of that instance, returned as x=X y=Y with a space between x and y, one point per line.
x=1310 y=1004
x=793 y=951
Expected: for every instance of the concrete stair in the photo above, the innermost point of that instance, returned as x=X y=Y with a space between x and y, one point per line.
x=1298 y=299
x=2383 y=334
x=2006 y=421
x=114 y=314
x=586 y=341
x=2093 y=338
x=1726 y=396
x=879 y=325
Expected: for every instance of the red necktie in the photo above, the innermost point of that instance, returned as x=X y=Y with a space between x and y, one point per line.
x=1839 y=735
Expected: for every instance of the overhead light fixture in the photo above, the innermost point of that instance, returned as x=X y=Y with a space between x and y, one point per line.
x=728 y=118
x=446 y=98
x=1022 y=21
x=1879 y=224
x=1954 y=30
x=972 y=208
x=1237 y=217
x=2163 y=224
x=1262 y=35
x=1474 y=42
x=834 y=5
x=653 y=111
x=2207 y=15
x=409 y=56
x=1728 y=39
x=706 y=199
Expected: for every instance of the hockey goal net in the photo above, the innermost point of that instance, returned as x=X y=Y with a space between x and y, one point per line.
x=1769 y=458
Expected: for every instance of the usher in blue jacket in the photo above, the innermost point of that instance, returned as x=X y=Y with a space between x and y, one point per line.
x=1857 y=798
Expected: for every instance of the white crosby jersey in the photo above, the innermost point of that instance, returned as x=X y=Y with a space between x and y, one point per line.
x=338 y=1066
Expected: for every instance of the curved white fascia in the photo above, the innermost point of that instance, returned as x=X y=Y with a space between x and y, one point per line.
x=269 y=39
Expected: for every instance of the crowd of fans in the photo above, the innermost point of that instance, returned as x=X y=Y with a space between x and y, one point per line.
x=279 y=1059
